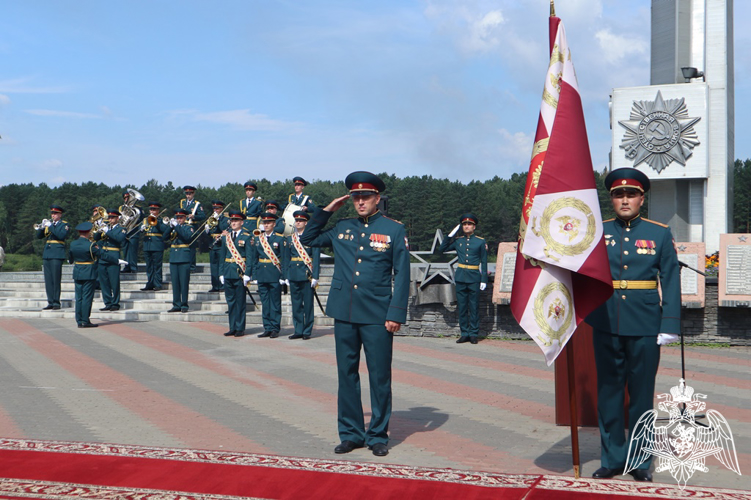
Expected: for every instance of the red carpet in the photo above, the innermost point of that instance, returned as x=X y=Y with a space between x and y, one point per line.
x=66 y=470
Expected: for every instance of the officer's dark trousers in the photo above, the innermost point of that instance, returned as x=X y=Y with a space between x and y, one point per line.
x=109 y=279
x=154 y=261
x=215 y=265
x=468 y=308
x=271 y=305
x=84 y=298
x=234 y=292
x=302 y=306
x=53 y=276
x=623 y=360
x=130 y=253
x=378 y=345
x=180 y=276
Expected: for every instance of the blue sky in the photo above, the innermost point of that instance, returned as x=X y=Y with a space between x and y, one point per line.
x=124 y=91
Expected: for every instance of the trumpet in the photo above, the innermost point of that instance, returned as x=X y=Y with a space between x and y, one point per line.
x=152 y=220
x=256 y=232
x=44 y=223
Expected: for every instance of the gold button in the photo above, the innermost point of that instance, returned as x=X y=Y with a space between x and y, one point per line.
x=360 y=248
x=625 y=252
x=359 y=261
x=625 y=239
x=357 y=273
x=622 y=296
x=366 y=225
x=363 y=235
x=625 y=267
x=628 y=229
x=356 y=289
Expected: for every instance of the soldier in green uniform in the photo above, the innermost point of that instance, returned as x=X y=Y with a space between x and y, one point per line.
x=195 y=215
x=180 y=234
x=53 y=231
x=133 y=236
x=251 y=207
x=84 y=255
x=153 y=229
x=299 y=198
x=267 y=271
x=471 y=276
x=235 y=249
x=629 y=328
x=366 y=311
x=272 y=207
x=111 y=240
x=302 y=267
x=215 y=230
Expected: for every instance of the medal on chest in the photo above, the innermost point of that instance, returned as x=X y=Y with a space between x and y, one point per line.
x=380 y=242
x=646 y=247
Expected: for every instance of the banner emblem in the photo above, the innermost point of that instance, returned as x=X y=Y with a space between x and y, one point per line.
x=559 y=312
x=564 y=239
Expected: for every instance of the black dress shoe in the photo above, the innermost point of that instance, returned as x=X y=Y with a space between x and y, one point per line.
x=213 y=290
x=105 y=308
x=380 y=449
x=229 y=333
x=87 y=325
x=174 y=310
x=55 y=308
x=462 y=340
x=473 y=340
x=146 y=289
x=264 y=334
x=641 y=475
x=157 y=289
x=184 y=310
x=295 y=336
x=274 y=335
x=346 y=446
x=605 y=473
x=114 y=308
x=239 y=334
x=49 y=307
x=306 y=337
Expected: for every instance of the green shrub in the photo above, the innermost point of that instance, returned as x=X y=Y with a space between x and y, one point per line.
x=15 y=263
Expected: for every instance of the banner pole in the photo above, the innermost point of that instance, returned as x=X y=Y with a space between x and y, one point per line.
x=572 y=408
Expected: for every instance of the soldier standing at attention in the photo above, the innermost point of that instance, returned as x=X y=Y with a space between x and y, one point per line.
x=215 y=261
x=302 y=266
x=251 y=207
x=365 y=310
x=235 y=252
x=268 y=273
x=272 y=207
x=299 y=198
x=54 y=231
x=471 y=275
x=153 y=248
x=194 y=215
x=629 y=328
x=180 y=234
x=112 y=238
x=84 y=255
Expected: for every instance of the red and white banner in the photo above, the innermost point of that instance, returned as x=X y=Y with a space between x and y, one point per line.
x=562 y=272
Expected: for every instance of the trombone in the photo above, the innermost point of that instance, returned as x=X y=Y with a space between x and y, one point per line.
x=212 y=221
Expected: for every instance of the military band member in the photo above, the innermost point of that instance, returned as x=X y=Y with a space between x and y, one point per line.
x=180 y=233
x=235 y=253
x=195 y=215
x=629 y=328
x=267 y=271
x=215 y=232
x=272 y=207
x=153 y=247
x=471 y=275
x=365 y=310
x=84 y=255
x=302 y=267
x=133 y=237
x=251 y=207
x=299 y=198
x=53 y=231
x=111 y=240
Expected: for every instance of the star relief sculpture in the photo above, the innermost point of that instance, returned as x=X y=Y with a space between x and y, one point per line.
x=659 y=133
x=439 y=269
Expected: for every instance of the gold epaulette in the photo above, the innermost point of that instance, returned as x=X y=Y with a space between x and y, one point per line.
x=397 y=221
x=609 y=220
x=654 y=222
x=280 y=234
x=479 y=237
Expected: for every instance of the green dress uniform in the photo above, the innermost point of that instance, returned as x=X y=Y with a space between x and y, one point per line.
x=109 y=271
x=84 y=255
x=196 y=208
x=251 y=208
x=300 y=290
x=471 y=270
x=234 y=288
x=268 y=275
x=153 y=254
x=302 y=201
x=361 y=300
x=130 y=245
x=52 y=259
x=179 y=264
x=216 y=262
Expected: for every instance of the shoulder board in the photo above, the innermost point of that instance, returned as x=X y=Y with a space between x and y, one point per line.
x=609 y=220
x=654 y=222
x=480 y=238
x=397 y=221
x=64 y=221
x=279 y=234
x=245 y=232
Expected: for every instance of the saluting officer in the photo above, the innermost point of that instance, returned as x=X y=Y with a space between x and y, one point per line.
x=235 y=253
x=299 y=198
x=471 y=275
x=272 y=207
x=54 y=231
x=112 y=238
x=303 y=265
x=194 y=215
x=180 y=234
x=365 y=310
x=84 y=255
x=215 y=260
x=629 y=328
x=267 y=271
x=251 y=207
x=153 y=247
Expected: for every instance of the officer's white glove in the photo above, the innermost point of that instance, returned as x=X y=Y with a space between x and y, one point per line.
x=483 y=286
x=122 y=262
x=667 y=338
x=207 y=229
x=221 y=279
x=47 y=223
x=455 y=230
x=313 y=283
x=246 y=280
x=283 y=282
x=173 y=222
x=105 y=229
x=255 y=282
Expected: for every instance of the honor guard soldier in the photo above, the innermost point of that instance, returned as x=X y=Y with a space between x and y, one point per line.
x=133 y=236
x=272 y=207
x=299 y=198
x=629 y=328
x=195 y=215
x=153 y=229
x=251 y=207
x=53 y=231
x=84 y=255
x=303 y=265
x=111 y=240
x=366 y=311
x=235 y=253
x=471 y=275
x=180 y=233
x=268 y=273
x=215 y=230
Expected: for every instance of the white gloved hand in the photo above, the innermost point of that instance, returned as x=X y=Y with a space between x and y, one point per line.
x=47 y=223
x=221 y=279
x=105 y=229
x=255 y=282
x=122 y=262
x=282 y=282
x=207 y=229
x=313 y=283
x=173 y=222
x=667 y=338
x=483 y=286
x=455 y=230
x=246 y=280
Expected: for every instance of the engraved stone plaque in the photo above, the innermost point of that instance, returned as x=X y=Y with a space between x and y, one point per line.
x=692 y=283
x=735 y=270
x=504 y=276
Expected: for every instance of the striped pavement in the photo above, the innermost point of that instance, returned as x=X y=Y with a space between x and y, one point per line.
x=487 y=407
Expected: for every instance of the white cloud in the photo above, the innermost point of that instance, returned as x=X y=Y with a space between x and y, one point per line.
x=61 y=114
x=51 y=164
x=4 y=100
x=22 y=86
x=616 y=47
x=243 y=119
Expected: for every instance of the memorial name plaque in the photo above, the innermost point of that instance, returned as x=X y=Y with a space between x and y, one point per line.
x=504 y=275
x=692 y=283
x=735 y=270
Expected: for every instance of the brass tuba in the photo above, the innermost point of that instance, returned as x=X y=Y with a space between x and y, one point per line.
x=130 y=214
